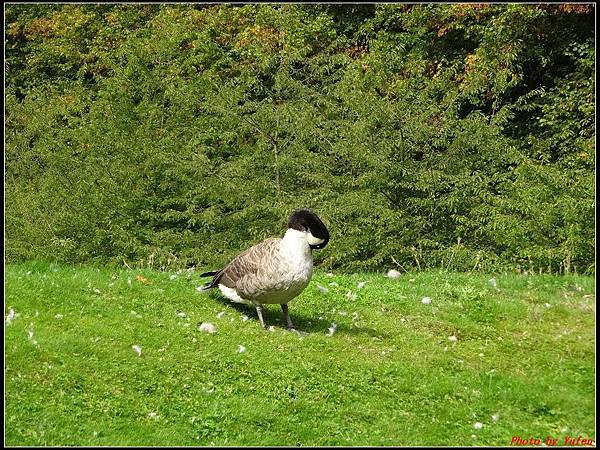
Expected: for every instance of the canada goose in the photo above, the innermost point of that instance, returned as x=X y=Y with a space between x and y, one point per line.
x=277 y=269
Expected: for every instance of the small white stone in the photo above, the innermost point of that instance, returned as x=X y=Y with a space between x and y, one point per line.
x=207 y=327
x=426 y=300
x=393 y=273
x=181 y=314
x=96 y=290
x=547 y=305
x=137 y=349
x=153 y=415
x=478 y=425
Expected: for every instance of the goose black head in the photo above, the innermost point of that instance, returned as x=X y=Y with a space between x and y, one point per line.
x=307 y=221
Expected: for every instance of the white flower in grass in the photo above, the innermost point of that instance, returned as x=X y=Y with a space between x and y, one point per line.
x=241 y=348
x=137 y=349
x=350 y=295
x=426 y=300
x=153 y=415
x=393 y=273
x=453 y=339
x=547 y=305
x=207 y=327
x=221 y=314
x=329 y=274
x=478 y=425
x=172 y=277
x=322 y=289
x=244 y=317
x=331 y=329
x=495 y=417
x=58 y=316
x=97 y=291
x=181 y=314
x=271 y=328
x=361 y=285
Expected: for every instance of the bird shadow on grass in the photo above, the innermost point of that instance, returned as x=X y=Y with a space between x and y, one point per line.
x=273 y=315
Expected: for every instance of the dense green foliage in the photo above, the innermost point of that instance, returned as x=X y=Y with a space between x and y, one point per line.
x=521 y=361
x=457 y=136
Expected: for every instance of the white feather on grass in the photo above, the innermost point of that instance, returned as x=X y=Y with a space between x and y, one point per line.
x=331 y=329
x=322 y=289
x=10 y=317
x=393 y=273
x=207 y=327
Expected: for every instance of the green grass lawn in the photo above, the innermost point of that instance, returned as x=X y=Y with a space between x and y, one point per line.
x=523 y=363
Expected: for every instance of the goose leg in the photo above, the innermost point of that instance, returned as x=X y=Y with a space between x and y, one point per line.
x=286 y=316
x=259 y=310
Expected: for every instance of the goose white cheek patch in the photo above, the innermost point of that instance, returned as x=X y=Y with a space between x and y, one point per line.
x=313 y=240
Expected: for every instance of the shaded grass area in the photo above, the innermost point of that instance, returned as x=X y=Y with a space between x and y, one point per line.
x=522 y=365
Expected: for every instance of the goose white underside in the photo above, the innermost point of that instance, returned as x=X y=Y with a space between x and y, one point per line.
x=232 y=295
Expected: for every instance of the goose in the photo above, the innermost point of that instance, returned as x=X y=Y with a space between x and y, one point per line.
x=276 y=270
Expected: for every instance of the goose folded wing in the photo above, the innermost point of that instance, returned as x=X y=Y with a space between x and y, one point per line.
x=249 y=269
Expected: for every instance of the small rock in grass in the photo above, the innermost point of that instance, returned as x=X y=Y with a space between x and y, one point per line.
x=426 y=300
x=137 y=349
x=181 y=314
x=207 y=327
x=96 y=290
x=478 y=425
x=547 y=305
x=393 y=273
